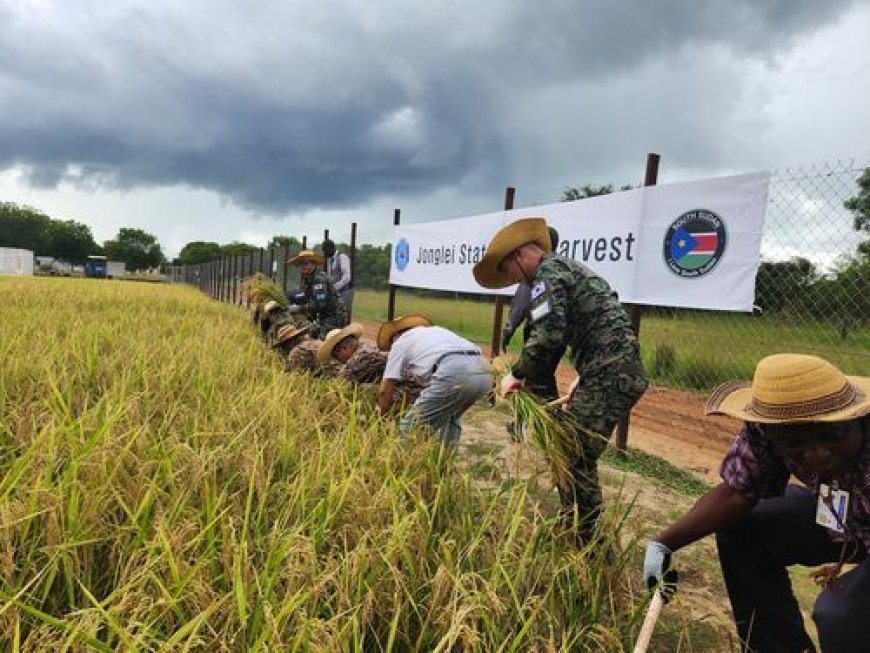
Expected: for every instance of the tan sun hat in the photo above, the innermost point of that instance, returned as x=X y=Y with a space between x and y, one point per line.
x=304 y=256
x=288 y=332
x=506 y=240
x=389 y=329
x=324 y=351
x=793 y=388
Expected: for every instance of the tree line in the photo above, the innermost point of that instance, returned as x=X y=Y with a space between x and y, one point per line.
x=73 y=242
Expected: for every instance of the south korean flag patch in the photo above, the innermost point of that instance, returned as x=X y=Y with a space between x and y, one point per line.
x=541 y=308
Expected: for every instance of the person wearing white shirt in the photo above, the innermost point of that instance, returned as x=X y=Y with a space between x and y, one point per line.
x=339 y=272
x=453 y=369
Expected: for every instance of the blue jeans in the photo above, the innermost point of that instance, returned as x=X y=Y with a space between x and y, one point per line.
x=458 y=382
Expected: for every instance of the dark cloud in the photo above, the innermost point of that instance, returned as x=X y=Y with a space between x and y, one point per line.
x=290 y=106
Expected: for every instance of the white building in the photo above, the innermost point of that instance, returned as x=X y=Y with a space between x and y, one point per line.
x=16 y=261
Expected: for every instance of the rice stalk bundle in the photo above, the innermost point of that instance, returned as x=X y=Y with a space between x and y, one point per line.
x=260 y=289
x=551 y=432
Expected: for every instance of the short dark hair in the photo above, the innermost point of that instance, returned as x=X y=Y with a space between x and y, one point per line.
x=554 y=238
x=328 y=247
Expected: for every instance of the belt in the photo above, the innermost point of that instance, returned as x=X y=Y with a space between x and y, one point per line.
x=460 y=352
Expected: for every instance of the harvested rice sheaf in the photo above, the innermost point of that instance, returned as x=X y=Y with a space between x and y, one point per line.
x=261 y=289
x=550 y=430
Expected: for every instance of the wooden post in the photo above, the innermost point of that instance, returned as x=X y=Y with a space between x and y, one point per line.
x=495 y=344
x=635 y=310
x=391 y=302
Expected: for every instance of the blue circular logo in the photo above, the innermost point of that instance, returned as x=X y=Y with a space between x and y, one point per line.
x=403 y=254
x=694 y=243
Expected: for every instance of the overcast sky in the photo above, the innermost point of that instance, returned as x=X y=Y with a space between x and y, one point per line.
x=236 y=120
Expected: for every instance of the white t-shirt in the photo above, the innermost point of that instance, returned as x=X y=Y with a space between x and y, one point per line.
x=338 y=270
x=417 y=350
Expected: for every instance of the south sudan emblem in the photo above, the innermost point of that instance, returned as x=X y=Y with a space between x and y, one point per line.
x=694 y=243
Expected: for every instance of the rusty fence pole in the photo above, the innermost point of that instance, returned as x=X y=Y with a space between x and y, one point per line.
x=635 y=310
x=353 y=261
x=391 y=302
x=498 y=315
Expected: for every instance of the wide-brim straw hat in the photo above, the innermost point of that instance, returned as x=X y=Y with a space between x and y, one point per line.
x=506 y=240
x=324 y=351
x=289 y=332
x=789 y=388
x=389 y=329
x=304 y=256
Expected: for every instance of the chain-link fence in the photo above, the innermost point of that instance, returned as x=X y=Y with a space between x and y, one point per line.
x=812 y=289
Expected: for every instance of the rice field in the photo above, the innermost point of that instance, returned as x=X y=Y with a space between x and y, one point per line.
x=165 y=486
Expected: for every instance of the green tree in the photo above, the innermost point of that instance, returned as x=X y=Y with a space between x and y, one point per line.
x=136 y=248
x=236 y=248
x=198 y=251
x=71 y=241
x=372 y=266
x=25 y=228
x=572 y=193
x=859 y=205
x=281 y=241
x=782 y=285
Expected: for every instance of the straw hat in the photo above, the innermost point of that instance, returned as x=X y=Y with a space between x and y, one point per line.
x=793 y=388
x=389 y=329
x=324 y=351
x=305 y=256
x=289 y=332
x=509 y=238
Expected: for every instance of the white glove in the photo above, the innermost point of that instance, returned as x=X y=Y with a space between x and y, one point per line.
x=655 y=563
x=509 y=383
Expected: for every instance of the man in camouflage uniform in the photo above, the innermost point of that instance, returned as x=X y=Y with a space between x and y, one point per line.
x=276 y=317
x=322 y=303
x=362 y=362
x=571 y=307
x=288 y=337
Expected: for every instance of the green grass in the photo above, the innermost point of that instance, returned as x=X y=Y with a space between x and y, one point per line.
x=706 y=348
x=657 y=469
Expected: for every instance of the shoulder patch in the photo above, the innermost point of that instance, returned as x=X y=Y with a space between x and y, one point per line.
x=539 y=289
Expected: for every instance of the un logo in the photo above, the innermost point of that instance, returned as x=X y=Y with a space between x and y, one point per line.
x=403 y=254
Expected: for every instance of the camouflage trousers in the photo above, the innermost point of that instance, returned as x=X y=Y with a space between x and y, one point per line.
x=598 y=405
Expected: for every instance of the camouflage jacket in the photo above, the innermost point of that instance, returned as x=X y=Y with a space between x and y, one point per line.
x=571 y=306
x=366 y=365
x=323 y=303
x=278 y=319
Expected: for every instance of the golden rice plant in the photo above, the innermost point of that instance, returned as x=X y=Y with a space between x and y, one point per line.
x=260 y=289
x=165 y=485
x=550 y=430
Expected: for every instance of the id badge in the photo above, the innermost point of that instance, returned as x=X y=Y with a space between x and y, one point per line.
x=832 y=507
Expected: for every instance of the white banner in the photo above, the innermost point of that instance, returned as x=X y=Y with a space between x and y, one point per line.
x=691 y=245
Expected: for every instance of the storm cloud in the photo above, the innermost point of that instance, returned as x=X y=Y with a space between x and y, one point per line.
x=287 y=106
